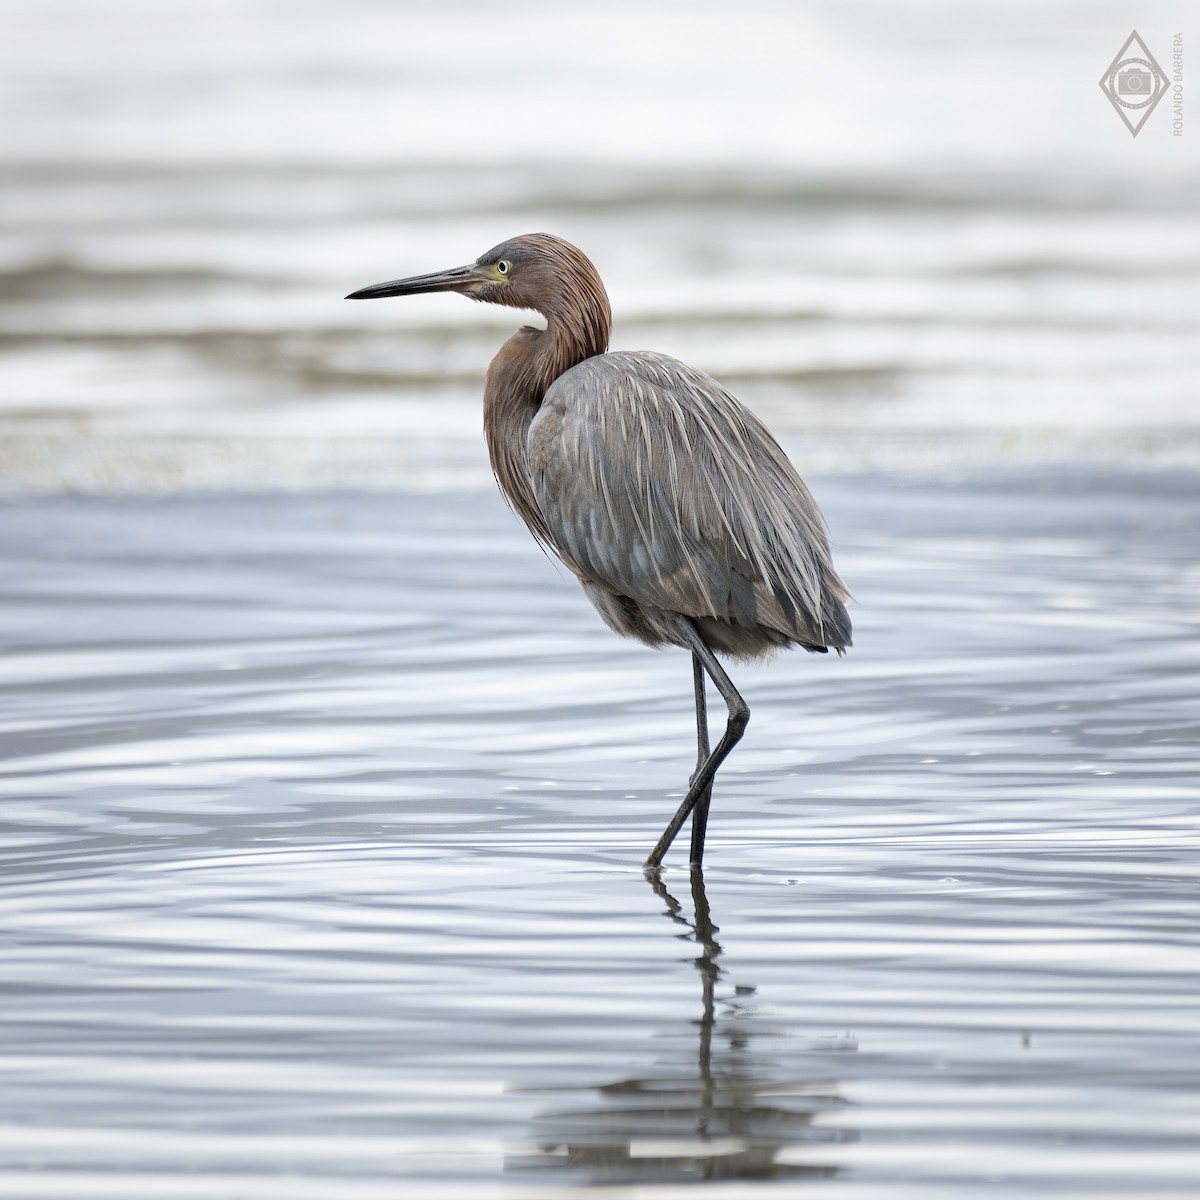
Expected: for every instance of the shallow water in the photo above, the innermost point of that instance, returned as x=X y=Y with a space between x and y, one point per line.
x=323 y=827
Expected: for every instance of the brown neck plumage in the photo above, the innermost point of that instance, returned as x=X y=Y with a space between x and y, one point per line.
x=517 y=379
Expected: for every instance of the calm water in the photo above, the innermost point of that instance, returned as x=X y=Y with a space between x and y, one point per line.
x=323 y=828
x=323 y=795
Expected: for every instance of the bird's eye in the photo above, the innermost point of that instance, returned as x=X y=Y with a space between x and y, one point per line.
x=502 y=266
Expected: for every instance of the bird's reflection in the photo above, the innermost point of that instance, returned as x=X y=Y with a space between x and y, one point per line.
x=725 y=1109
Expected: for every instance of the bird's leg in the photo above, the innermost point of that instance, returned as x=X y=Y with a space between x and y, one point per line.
x=701 y=717
x=739 y=715
x=700 y=813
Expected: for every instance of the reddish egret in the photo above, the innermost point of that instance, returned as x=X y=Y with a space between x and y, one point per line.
x=682 y=518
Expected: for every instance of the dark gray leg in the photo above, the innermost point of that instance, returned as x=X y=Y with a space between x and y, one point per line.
x=739 y=715
x=700 y=813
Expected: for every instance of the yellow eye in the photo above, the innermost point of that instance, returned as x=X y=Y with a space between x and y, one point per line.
x=502 y=266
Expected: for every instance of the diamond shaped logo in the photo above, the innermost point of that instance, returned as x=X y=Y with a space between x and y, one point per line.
x=1134 y=83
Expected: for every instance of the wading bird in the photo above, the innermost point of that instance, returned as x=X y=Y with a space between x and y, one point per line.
x=672 y=503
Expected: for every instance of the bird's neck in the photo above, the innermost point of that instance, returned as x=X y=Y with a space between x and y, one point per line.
x=532 y=359
x=517 y=379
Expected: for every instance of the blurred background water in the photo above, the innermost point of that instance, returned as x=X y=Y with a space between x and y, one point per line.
x=897 y=234
x=325 y=794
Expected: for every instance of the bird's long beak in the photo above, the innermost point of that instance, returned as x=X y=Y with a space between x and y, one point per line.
x=456 y=279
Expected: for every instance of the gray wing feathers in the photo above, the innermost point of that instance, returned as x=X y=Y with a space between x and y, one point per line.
x=659 y=485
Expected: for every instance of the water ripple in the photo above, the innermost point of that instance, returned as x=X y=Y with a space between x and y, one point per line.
x=322 y=827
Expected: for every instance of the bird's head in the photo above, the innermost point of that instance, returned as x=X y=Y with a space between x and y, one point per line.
x=535 y=271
